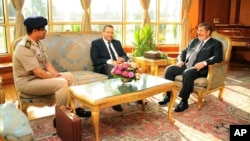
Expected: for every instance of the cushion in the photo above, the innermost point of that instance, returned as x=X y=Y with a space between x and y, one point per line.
x=200 y=82
x=70 y=51
x=48 y=99
x=14 y=124
x=84 y=77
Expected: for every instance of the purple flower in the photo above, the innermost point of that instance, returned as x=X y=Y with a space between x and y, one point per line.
x=131 y=74
x=126 y=69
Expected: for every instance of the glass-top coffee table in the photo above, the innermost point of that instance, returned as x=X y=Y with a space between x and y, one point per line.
x=107 y=93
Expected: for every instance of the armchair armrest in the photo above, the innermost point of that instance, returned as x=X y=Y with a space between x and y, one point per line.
x=217 y=74
x=172 y=61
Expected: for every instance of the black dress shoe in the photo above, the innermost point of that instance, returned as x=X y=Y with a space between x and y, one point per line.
x=117 y=108
x=164 y=101
x=140 y=102
x=82 y=113
x=182 y=106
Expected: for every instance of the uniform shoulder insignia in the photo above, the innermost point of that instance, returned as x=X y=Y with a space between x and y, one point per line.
x=28 y=44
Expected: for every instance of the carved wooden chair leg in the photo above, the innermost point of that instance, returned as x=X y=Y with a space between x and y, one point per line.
x=25 y=109
x=200 y=97
x=221 y=91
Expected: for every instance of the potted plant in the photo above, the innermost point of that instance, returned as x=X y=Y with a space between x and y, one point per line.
x=144 y=40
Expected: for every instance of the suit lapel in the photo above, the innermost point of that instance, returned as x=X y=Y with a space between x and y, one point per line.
x=206 y=44
x=196 y=44
x=105 y=48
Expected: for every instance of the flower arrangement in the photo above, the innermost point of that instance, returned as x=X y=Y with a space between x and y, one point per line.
x=127 y=70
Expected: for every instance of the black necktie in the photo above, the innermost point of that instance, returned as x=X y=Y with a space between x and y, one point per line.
x=112 y=52
x=192 y=57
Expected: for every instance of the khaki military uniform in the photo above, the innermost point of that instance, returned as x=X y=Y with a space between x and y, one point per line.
x=29 y=55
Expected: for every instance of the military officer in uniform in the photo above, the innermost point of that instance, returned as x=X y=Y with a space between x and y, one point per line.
x=34 y=74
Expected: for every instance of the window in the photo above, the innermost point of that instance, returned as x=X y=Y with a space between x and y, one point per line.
x=108 y=12
x=3 y=48
x=125 y=15
x=35 y=7
x=169 y=22
x=67 y=15
x=134 y=16
x=166 y=22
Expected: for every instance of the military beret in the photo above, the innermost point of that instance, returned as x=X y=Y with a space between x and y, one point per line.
x=35 y=22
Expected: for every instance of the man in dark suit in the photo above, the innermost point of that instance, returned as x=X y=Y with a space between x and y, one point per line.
x=107 y=52
x=193 y=63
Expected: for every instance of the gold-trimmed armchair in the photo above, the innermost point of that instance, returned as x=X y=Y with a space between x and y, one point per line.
x=215 y=79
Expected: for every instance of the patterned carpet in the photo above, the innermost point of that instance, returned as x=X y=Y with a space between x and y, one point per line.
x=239 y=76
x=209 y=124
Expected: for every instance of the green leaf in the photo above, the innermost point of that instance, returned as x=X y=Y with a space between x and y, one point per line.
x=144 y=40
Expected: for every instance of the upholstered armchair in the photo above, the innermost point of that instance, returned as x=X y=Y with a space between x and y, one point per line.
x=14 y=124
x=215 y=80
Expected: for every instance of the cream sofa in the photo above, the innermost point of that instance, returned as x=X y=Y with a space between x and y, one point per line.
x=71 y=52
x=68 y=51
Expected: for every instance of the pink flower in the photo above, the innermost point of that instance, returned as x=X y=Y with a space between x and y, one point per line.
x=127 y=70
x=120 y=67
x=125 y=73
x=131 y=74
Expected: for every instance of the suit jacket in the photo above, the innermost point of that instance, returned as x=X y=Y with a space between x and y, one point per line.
x=100 y=54
x=211 y=52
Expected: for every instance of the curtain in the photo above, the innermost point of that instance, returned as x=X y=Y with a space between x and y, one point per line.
x=185 y=26
x=145 y=5
x=19 y=29
x=85 y=19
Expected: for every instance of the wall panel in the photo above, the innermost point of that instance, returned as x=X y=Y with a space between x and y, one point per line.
x=244 y=17
x=217 y=9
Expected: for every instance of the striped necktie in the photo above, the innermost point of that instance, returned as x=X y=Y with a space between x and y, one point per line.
x=112 y=52
x=192 y=57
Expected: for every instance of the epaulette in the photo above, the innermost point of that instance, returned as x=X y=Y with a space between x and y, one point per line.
x=28 y=44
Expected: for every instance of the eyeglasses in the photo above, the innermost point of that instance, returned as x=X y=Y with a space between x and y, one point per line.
x=201 y=30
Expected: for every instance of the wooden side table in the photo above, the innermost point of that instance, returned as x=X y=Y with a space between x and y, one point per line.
x=172 y=61
x=151 y=65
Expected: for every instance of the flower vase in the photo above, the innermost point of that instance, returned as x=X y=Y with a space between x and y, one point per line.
x=126 y=80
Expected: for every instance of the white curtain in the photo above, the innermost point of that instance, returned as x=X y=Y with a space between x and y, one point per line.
x=19 y=29
x=185 y=25
x=145 y=5
x=85 y=19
